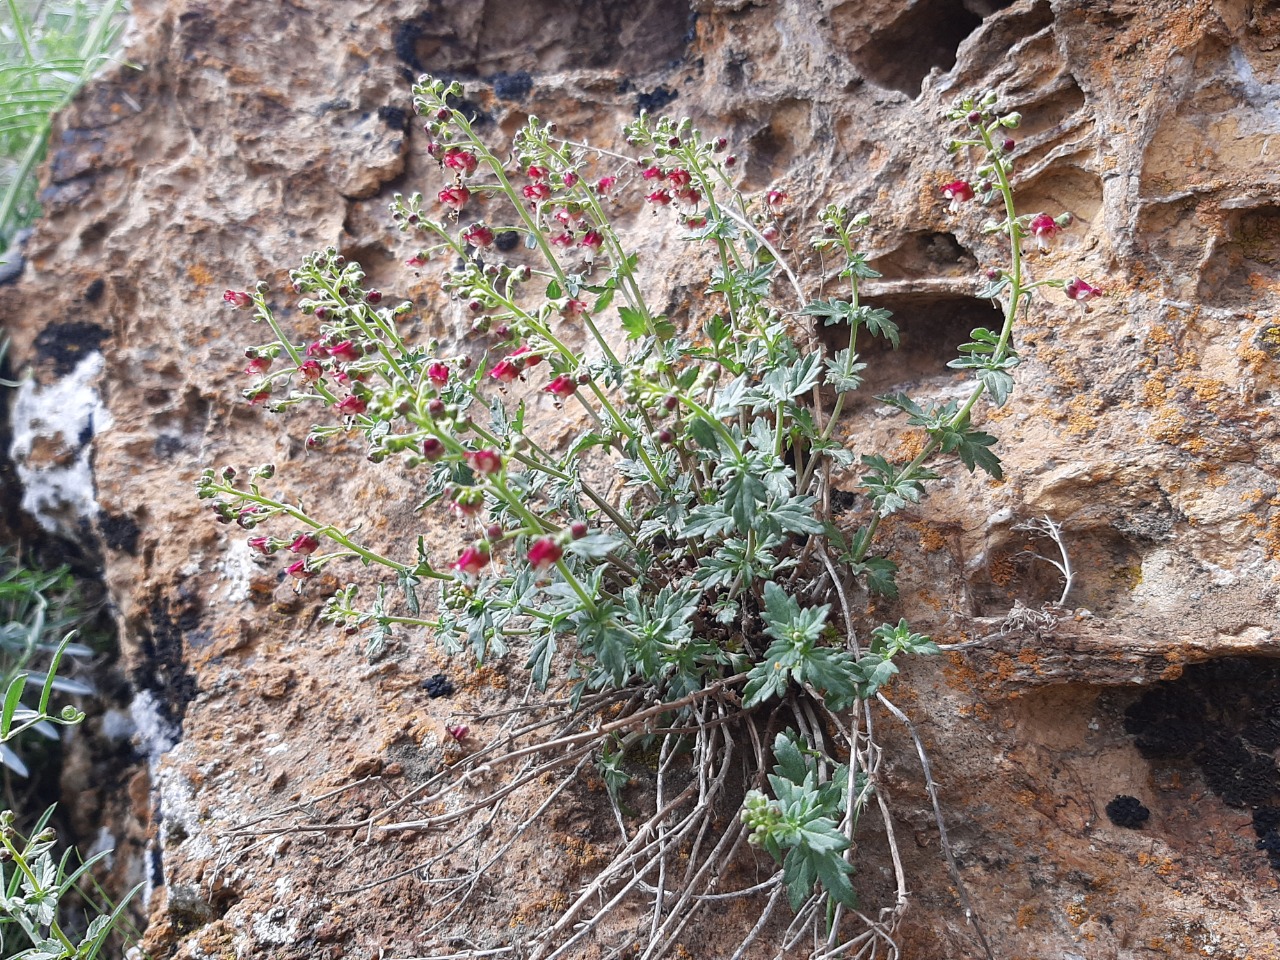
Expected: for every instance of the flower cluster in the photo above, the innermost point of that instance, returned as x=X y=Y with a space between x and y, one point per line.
x=683 y=538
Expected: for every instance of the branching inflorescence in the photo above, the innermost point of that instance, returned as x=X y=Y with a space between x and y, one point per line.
x=686 y=613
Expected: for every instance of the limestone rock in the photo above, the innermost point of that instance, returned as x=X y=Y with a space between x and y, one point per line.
x=251 y=134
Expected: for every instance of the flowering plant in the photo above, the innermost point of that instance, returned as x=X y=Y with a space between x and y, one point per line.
x=692 y=601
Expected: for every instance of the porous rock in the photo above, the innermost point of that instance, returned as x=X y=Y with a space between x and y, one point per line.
x=250 y=134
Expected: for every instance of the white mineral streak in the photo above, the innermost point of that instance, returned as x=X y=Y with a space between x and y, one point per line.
x=66 y=414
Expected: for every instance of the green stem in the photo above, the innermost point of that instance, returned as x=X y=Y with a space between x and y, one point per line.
x=333 y=533
x=21 y=861
x=1016 y=294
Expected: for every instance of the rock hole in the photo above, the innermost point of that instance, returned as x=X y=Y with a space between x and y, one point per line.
x=1107 y=566
x=931 y=326
x=1249 y=252
x=900 y=53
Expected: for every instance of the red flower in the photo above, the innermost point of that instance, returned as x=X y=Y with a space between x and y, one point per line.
x=238 y=298
x=562 y=386
x=478 y=235
x=562 y=240
x=1044 y=228
x=305 y=544
x=348 y=377
x=545 y=553
x=605 y=185
x=485 y=461
x=458 y=731
x=317 y=349
x=689 y=196
x=464 y=161
x=258 y=366
x=474 y=559
x=454 y=197
x=261 y=544
x=695 y=223
x=679 y=178
x=438 y=374
x=573 y=309
x=775 y=198
x=660 y=197
x=958 y=192
x=1080 y=291
x=417 y=260
x=536 y=173
x=570 y=179
x=567 y=215
x=345 y=351
x=536 y=191
x=299 y=570
x=505 y=371
x=653 y=173
x=260 y=396
x=351 y=404
x=525 y=356
x=592 y=241
x=310 y=370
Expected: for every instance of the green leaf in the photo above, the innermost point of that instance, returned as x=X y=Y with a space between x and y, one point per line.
x=796 y=516
x=554 y=291
x=541 y=653
x=879 y=575
x=877 y=322
x=12 y=699
x=706 y=520
x=831 y=311
x=634 y=322
x=999 y=384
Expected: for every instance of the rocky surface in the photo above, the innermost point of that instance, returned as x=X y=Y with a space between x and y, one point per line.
x=251 y=134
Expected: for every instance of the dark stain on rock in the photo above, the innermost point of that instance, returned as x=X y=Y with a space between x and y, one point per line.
x=1222 y=717
x=93 y=292
x=120 y=532
x=394 y=117
x=656 y=99
x=404 y=40
x=1127 y=812
x=162 y=666
x=66 y=344
x=512 y=86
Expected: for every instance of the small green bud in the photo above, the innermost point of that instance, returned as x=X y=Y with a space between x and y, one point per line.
x=1011 y=120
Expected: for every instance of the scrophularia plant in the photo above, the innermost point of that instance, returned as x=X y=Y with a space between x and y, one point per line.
x=689 y=603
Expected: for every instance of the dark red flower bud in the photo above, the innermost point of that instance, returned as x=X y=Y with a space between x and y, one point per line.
x=474 y=559
x=578 y=529
x=300 y=571
x=545 y=553
x=433 y=449
x=455 y=197
x=485 y=461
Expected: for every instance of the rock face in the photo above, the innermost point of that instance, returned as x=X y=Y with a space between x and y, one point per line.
x=252 y=134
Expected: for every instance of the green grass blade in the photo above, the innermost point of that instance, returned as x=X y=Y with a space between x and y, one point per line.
x=12 y=697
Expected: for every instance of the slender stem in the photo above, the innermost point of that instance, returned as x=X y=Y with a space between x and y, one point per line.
x=36 y=886
x=1016 y=294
